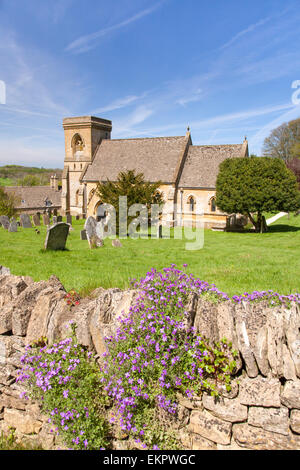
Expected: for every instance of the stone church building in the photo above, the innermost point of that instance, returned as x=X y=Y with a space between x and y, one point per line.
x=188 y=172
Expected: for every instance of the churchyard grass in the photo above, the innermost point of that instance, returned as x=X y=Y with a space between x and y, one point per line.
x=234 y=262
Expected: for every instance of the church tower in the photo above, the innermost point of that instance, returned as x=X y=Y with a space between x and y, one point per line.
x=82 y=138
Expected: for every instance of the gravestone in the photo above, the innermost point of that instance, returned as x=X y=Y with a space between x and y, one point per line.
x=56 y=237
x=69 y=219
x=25 y=221
x=59 y=218
x=13 y=226
x=83 y=235
x=77 y=217
x=54 y=220
x=46 y=220
x=36 y=220
x=116 y=243
x=95 y=241
x=55 y=212
x=4 y=220
x=91 y=233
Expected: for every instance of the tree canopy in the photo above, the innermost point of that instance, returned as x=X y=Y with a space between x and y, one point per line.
x=284 y=141
x=254 y=185
x=132 y=185
x=7 y=204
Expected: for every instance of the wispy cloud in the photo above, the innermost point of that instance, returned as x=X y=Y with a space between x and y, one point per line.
x=87 y=42
x=245 y=31
x=119 y=103
x=126 y=126
x=191 y=97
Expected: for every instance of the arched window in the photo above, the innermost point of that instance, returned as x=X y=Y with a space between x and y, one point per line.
x=213 y=206
x=191 y=203
x=77 y=144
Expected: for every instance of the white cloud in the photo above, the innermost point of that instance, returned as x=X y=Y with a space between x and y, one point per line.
x=87 y=42
x=242 y=33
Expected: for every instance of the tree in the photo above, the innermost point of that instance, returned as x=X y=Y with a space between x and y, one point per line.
x=282 y=141
x=253 y=185
x=134 y=186
x=29 y=180
x=8 y=203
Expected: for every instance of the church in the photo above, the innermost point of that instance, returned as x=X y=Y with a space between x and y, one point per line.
x=187 y=172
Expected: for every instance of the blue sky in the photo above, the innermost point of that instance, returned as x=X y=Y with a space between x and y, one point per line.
x=225 y=68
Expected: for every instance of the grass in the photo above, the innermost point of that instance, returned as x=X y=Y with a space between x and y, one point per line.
x=235 y=262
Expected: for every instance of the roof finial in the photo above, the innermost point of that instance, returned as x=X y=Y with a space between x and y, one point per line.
x=245 y=138
x=188 y=128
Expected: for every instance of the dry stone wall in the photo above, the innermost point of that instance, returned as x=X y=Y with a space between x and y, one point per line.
x=262 y=411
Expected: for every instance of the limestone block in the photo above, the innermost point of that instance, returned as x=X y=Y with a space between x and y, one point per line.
x=271 y=419
x=110 y=305
x=260 y=351
x=290 y=395
x=224 y=408
x=292 y=333
x=200 y=443
x=21 y=421
x=210 y=427
x=260 y=391
x=295 y=421
x=258 y=439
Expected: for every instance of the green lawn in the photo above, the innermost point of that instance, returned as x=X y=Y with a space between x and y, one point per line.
x=235 y=262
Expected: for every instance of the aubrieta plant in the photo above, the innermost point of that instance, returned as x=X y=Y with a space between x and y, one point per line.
x=65 y=379
x=154 y=356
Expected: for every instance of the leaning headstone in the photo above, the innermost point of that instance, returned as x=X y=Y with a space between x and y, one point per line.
x=116 y=243
x=4 y=220
x=91 y=233
x=36 y=220
x=83 y=235
x=46 y=220
x=54 y=220
x=59 y=218
x=25 y=221
x=69 y=219
x=13 y=226
x=56 y=237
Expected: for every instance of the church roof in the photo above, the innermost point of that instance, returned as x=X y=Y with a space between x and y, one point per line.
x=202 y=164
x=157 y=158
x=33 y=197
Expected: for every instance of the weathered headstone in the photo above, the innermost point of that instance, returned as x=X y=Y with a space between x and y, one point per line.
x=83 y=235
x=69 y=219
x=4 y=220
x=59 y=218
x=77 y=217
x=13 y=226
x=55 y=212
x=36 y=220
x=56 y=237
x=95 y=241
x=116 y=243
x=54 y=220
x=46 y=220
x=25 y=221
x=92 y=236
